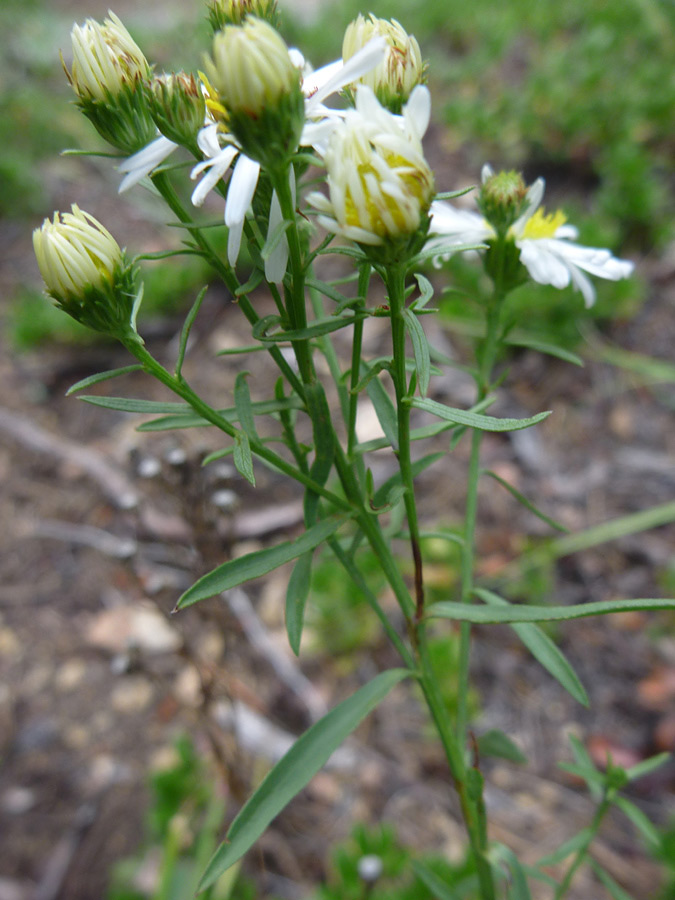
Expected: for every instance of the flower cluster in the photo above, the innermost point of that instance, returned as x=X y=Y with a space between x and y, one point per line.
x=255 y=106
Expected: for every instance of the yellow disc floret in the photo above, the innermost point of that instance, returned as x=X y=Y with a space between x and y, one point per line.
x=541 y=225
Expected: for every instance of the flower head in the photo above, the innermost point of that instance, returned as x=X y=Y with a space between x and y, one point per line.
x=380 y=184
x=177 y=106
x=545 y=242
x=259 y=89
x=401 y=70
x=106 y=59
x=85 y=271
x=233 y=12
x=107 y=76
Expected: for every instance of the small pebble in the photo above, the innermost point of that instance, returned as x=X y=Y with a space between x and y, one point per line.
x=370 y=867
x=176 y=456
x=224 y=499
x=149 y=467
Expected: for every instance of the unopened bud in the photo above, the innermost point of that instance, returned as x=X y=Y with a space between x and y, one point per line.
x=85 y=272
x=402 y=68
x=177 y=106
x=502 y=199
x=233 y=12
x=259 y=87
x=107 y=75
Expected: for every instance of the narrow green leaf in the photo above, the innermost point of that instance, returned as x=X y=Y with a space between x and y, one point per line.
x=648 y=831
x=187 y=326
x=543 y=649
x=260 y=562
x=253 y=282
x=238 y=351
x=449 y=536
x=296 y=769
x=567 y=849
x=474 y=420
x=242 y=403
x=374 y=370
x=296 y=599
x=589 y=774
x=647 y=766
x=329 y=291
x=481 y=615
x=426 y=292
x=544 y=347
x=101 y=376
x=525 y=502
x=519 y=889
x=434 y=883
x=316 y=329
x=496 y=743
x=192 y=420
x=613 y=530
x=420 y=350
x=128 y=404
x=583 y=758
x=417 y=434
x=384 y=409
x=452 y=195
x=615 y=892
x=242 y=457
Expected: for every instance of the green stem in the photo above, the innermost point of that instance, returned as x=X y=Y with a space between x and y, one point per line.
x=296 y=309
x=165 y=188
x=357 y=344
x=582 y=852
x=486 y=364
x=396 y=292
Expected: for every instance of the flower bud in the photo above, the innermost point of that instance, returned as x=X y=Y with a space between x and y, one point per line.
x=107 y=74
x=380 y=184
x=177 y=106
x=260 y=88
x=233 y=12
x=393 y=80
x=502 y=199
x=85 y=272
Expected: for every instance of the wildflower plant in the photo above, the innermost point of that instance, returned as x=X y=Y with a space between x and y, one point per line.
x=253 y=119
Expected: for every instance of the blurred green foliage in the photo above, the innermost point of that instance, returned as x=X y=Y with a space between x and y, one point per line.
x=400 y=878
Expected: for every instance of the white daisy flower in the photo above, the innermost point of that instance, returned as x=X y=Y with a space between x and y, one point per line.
x=546 y=243
x=379 y=181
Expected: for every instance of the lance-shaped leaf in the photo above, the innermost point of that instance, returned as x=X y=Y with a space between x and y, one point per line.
x=530 y=343
x=242 y=457
x=521 y=498
x=102 y=376
x=482 y=615
x=129 y=404
x=297 y=593
x=260 y=562
x=543 y=649
x=290 y=775
x=420 y=349
x=475 y=420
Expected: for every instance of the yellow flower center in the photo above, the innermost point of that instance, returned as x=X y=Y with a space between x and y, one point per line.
x=541 y=225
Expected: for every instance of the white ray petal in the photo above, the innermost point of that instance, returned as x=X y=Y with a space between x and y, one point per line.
x=142 y=163
x=242 y=187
